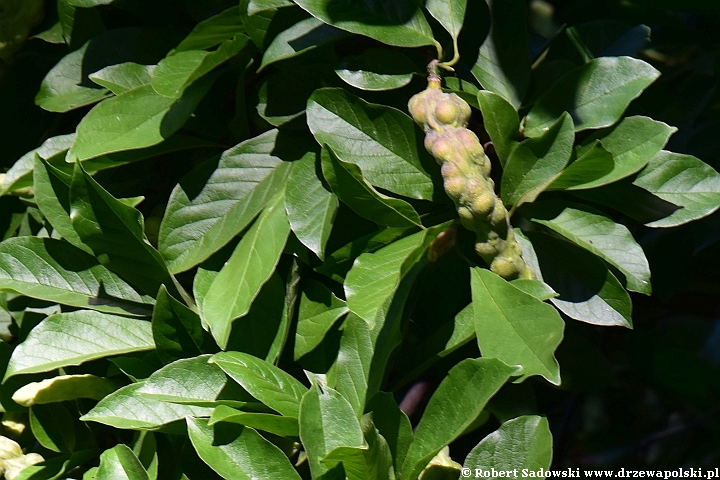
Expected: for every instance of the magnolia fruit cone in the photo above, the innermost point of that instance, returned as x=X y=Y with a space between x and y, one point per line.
x=466 y=177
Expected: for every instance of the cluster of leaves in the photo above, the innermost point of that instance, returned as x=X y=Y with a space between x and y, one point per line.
x=231 y=255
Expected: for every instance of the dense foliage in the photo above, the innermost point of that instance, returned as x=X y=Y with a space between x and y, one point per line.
x=230 y=252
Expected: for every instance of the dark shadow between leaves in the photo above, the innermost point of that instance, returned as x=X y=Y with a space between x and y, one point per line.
x=574 y=273
x=121 y=45
x=371 y=12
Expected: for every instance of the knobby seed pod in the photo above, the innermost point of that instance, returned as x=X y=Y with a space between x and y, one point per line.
x=466 y=177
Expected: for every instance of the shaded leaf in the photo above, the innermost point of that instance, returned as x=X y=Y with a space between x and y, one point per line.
x=327 y=421
x=587 y=290
x=304 y=36
x=203 y=217
x=53 y=427
x=176 y=329
x=503 y=64
x=632 y=143
x=376 y=69
x=600 y=235
x=114 y=232
x=403 y=25
x=238 y=452
x=347 y=183
x=310 y=207
x=350 y=373
x=501 y=122
x=685 y=181
x=536 y=162
x=213 y=31
x=319 y=310
x=267 y=422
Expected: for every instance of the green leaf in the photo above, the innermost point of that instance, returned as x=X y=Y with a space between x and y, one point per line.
x=310 y=207
x=587 y=290
x=62 y=88
x=382 y=141
x=456 y=403
x=134 y=119
x=213 y=31
x=595 y=163
x=403 y=25
x=20 y=174
x=252 y=263
x=347 y=182
x=374 y=462
x=256 y=6
x=596 y=94
x=203 y=217
x=238 y=452
x=376 y=69
x=126 y=409
x=63 y=388
x=600 y=235
x=523 y=443
x=123 y=77
x=318 y=312
x=53 y=427
x=52 y=193
x=501 y=122
x=537 y=288
x=259 y=332
x=632 y=142
x=176 y=329
x=515 y=327
x=56 y=271
x=304 y=36
x=464 y=89
x=283 y=95
x=631 y=200
x=177 y=72
x=685 y=181
x=536 y=162
x=95 y=213
x=264 y=381
x=73 y=338
x=120 y=462
x=503 y=64
x=450 y=14
x=340 y=261
x=327 y=421
x=374 y=277
x=350 y=373
x=267 y=422
x=57 y=466
x=393 y=425
x=193 y=381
